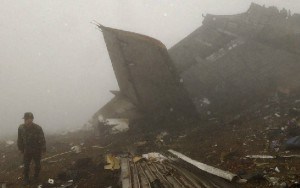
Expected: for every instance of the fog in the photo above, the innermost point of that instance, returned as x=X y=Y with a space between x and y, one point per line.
x=54 y=62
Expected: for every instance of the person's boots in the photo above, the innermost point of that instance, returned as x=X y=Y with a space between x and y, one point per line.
x=26 y=180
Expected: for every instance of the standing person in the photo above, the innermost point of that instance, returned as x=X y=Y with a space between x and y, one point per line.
x=31 y=143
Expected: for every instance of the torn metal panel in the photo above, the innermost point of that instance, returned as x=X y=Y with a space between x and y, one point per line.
x=154 y=172
x=125 y=173
x=260 y=156
x=120 y=107
x=145 y=73
x=212 y=170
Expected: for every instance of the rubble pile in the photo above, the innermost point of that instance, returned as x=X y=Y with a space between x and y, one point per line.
x=253 y=145
x=260 y=144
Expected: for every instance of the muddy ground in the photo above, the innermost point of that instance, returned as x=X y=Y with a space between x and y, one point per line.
x=220 y=141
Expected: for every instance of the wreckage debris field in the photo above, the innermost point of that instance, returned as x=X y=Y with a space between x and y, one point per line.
x=219 y=109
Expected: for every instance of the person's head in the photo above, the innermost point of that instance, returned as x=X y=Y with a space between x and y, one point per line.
x=28 y=118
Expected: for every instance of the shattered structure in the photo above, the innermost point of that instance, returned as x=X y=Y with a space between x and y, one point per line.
x=239 y=73
x=147 y=78
x=227 y=64
x=238 y=60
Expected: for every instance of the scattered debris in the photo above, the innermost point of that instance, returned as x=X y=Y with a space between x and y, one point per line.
x=212 y=170
x=51 y=181
x=273 y=180
x=277 y=115
x=267 y=118
x=271 y=157
x=118 y=125
x=157 y=174
x=98 y=147
x=283 y=185
x=76 y=149
x=275 y=145
x=206 y=101
x=57 y=155
x=260 y=156
x=154 y=157
x=113 y=162
x=160 y=138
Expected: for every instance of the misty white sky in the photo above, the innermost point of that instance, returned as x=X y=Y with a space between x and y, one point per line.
x=54 y=63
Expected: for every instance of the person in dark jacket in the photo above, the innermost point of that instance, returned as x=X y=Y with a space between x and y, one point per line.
x=31 y=143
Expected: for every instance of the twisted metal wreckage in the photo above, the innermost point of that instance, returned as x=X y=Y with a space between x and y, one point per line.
x=228 y=63
x=150 y=84
x=231 y=59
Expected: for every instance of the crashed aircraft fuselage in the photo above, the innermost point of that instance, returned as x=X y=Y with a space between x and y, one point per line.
x=226 y=65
